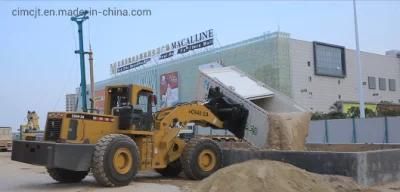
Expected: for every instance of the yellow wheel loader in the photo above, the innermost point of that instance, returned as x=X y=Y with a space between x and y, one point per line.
x=31 y=130
x=129 y=137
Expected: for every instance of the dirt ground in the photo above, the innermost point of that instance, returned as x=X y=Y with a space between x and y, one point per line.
x=20 y=177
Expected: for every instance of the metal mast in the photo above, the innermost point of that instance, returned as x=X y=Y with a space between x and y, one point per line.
x=79 y=19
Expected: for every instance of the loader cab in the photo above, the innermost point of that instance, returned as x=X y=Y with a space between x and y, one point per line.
x=132 y=103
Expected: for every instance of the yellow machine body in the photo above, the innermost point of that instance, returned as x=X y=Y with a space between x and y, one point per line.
x=158 y=145
x=129 y=137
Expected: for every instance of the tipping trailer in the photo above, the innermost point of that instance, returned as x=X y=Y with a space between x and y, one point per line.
x=255 y=96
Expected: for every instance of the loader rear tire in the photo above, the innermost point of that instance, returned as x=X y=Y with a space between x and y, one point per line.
x=115 y=160
x=172 y=170
x=201 y=157
x=66 y=176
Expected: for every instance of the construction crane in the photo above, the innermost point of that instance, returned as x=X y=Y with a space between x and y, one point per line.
x=79 y=19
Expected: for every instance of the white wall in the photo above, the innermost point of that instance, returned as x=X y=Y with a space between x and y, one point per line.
x=323 y=91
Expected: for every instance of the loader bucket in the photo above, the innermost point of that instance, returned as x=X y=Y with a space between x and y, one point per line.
x=233 y=115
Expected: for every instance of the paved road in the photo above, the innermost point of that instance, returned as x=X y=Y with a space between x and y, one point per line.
x=22 y=177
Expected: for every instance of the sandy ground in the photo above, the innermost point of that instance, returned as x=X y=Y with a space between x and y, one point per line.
x=21 y=177
x=390 y=187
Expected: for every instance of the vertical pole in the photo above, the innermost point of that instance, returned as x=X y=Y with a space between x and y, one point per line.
x=354 y=131
x=326 y=132
x=79 y=19
x=83 y=71
x=386 y=130
x=360 y=86
x=92 y=106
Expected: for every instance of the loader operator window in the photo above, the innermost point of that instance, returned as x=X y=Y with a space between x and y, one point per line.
x=119 y=97
x=144 y=101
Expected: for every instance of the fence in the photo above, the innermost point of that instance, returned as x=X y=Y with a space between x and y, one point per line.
x=342 y=131
x=369 y=130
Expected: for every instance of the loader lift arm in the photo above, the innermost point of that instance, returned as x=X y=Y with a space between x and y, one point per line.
x=218 y=112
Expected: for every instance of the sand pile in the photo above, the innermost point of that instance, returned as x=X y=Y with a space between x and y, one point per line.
x=272 y=176
x=288 y=131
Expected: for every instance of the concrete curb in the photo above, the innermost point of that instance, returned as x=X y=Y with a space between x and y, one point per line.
x=367 y=167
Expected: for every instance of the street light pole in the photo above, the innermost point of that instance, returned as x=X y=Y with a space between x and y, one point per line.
x=360 y=78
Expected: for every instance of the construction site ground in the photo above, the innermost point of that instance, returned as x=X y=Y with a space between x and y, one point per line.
x=16 y=176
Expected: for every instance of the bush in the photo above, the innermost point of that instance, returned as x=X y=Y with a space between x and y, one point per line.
x=330 y=115
x=354 y=112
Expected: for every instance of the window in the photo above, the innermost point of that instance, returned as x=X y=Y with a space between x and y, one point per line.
x=382 y=84
x=329 y=60
x=371 y=82
x=143 y=102
x=392 y=85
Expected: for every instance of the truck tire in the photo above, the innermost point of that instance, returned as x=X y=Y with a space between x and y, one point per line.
x=66 y=176
x=200 y=158
x=115 y=160
x=172 y=170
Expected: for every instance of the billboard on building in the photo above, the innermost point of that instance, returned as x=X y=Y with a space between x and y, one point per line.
x=99 y=100
x=178 y=48
x=169 y=89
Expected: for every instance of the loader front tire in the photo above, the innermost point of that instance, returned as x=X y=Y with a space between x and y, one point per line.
x=201 y=157
x=115 y=160
x=66 y=176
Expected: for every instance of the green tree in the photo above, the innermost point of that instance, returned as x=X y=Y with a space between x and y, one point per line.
x=354 y=112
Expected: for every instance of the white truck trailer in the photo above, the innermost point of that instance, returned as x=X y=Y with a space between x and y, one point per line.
x=5 y=139
x=255 y=96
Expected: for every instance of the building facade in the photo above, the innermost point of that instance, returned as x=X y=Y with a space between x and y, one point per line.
x=318 y=92
x=314 y=74
x=71 y=102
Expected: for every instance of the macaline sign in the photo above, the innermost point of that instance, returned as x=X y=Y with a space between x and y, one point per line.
x=176 y=48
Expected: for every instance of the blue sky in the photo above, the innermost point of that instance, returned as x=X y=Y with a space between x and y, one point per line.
x=38 y=66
